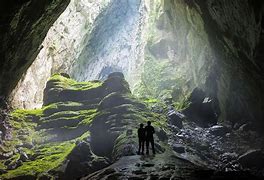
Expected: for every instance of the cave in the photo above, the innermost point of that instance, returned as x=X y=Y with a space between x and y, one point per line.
x=78 y=77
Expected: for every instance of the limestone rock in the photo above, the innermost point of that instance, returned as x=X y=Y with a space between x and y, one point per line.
x=175 y=118
x=218 y=130
x=178 y=148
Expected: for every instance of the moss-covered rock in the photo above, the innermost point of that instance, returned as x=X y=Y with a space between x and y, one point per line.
x=61 y=89
x=80 y=126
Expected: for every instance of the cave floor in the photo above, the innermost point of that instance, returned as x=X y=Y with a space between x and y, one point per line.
x=160 y=166
x=163 y=166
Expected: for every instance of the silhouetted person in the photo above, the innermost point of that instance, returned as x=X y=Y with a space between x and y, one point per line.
x=149 y=137
x=141 y=139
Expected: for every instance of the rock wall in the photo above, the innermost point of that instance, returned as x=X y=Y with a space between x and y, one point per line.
x=213 y=45
x=235 y=29
x=24 y=25
x=115 y=44
x=177 y=54
x=61 y=47
x=234 y=76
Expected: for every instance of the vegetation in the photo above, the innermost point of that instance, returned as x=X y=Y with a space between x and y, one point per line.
x=67 y=83
x=48 y=157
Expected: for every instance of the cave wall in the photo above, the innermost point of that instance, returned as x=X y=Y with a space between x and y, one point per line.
x=214 y=45
x=115 y=44
x=177 y=53
x=24 y=25
x=217 y=45
x=60 y=48
x=235 y=31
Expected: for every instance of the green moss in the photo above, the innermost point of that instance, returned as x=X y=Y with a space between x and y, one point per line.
x=183 y=103
x=89 y=115
x=22 y=113
x=151 y=100
x=49 y=157
x=23 y=128
x=59 y=107
x=67 y=83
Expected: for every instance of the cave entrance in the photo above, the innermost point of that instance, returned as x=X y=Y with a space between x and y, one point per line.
x=162 y=49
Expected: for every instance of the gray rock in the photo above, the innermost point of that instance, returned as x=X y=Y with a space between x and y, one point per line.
x=218 y=130
x=162 y=135
x=178 y=148
x=175 y=118
x=23 y=156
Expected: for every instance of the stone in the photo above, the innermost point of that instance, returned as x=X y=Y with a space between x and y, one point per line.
x=28 y=145
x=252 y=158
x=65 y=75
x=218 y=130
x=175 y=118
x=179 y=148
x=23 y=156
x=116 y=74
x=116 y=83
x=162 y=135
x=129 y=132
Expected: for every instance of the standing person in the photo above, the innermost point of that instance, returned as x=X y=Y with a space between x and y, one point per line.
x=149 y=137
x=141 y=139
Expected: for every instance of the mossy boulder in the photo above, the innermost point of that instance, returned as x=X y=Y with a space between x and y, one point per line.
x=81 y=128
x=61 y=89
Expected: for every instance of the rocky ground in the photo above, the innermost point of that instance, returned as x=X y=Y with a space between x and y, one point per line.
x=88 y=130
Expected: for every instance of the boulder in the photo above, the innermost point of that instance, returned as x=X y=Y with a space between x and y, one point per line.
x=115 y=83
x=162 y=135
x=65 y=75
x=179 y=148
x=23 y=156
x=116 y=74
x=252 y=159
x=218 y=130
x=175 y=118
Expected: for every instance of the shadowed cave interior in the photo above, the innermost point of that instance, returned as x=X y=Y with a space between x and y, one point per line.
x=77 y=77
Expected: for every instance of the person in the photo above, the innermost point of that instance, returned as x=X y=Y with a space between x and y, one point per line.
x=149 y=137
x=141 y=139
